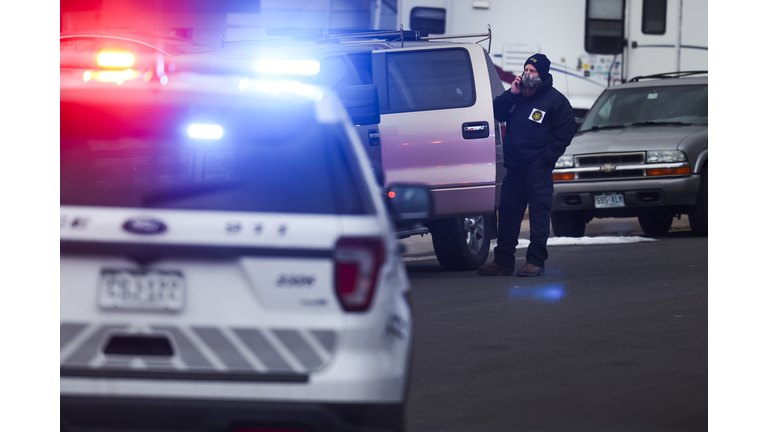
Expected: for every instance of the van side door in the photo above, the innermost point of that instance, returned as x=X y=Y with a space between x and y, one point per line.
x=437 y=125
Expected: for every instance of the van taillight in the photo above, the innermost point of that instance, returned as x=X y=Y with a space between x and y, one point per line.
x=357 y=263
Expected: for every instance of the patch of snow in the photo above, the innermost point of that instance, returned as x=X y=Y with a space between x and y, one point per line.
x=562 y=241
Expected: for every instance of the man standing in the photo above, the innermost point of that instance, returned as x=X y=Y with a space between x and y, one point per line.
x=540 y=125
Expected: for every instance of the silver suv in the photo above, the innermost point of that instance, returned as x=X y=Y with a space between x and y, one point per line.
x=640 y=152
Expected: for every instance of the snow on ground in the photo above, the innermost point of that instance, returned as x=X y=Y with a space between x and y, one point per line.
x=557 y=241
x=562 y=241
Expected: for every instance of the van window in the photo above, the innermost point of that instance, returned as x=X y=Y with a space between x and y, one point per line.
x=429 y=80
x=363 y=66
x=335 y=74
x=654 y=17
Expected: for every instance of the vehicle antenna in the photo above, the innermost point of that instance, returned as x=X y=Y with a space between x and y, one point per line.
x=565 y=72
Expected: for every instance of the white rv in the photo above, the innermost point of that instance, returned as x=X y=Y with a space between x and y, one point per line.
x=591 y=43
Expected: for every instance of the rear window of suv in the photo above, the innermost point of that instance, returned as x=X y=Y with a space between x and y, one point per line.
x=429 y=80
x=270 y=158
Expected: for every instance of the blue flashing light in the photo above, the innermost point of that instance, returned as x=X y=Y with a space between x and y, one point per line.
x=300 y=89
x=547 y=294
x=288 y=67
x=205 y=131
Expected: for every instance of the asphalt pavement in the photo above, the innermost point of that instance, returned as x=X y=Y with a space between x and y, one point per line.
x=614 y=337
x=420 y=247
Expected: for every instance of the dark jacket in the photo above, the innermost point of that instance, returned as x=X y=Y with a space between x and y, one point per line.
x=539 y=125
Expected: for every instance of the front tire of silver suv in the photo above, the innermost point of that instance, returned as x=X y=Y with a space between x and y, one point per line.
x=462 y=243
x=568 y=224
x=655 y=223
x=698 y=215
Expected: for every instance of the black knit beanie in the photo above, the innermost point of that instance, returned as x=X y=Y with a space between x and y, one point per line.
x=540 y=62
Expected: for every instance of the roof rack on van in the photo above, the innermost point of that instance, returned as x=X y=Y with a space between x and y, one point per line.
x=666 y=75
x=319 y=35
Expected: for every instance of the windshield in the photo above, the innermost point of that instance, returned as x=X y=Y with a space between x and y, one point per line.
x=269 y=158
x=683 y=104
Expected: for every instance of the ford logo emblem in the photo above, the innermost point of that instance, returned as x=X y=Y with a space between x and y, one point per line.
x=144 y=225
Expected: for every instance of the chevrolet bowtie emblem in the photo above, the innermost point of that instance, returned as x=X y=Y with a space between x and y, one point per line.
x=608 y=168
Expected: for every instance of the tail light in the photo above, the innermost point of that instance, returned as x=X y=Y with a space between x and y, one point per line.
x=357 y=264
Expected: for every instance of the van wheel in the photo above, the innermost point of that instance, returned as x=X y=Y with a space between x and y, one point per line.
x=461 y=243
x=698 y=216
x=568 y=224
x=655 y=223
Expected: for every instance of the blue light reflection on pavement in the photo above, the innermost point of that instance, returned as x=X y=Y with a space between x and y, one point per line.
x=546 y=294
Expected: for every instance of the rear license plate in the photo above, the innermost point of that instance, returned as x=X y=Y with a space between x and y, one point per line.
x=609 y=200
x=152 y=290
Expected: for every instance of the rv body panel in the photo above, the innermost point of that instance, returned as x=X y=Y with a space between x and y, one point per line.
x=579 y=75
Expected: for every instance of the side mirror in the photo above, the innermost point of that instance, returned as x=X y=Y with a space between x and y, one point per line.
x=409 y=201
x=363 y=104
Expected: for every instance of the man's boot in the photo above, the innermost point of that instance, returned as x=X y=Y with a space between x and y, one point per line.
x=494 y=269
x=530 y=270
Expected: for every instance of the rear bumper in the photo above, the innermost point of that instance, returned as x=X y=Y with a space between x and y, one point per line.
x=89 y=414
x=639 y=195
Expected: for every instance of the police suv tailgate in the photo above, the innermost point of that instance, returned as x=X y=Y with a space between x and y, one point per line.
x=209 y=296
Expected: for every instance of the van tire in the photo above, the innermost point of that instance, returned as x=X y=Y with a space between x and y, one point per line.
x=698 y=216
x=462 y=243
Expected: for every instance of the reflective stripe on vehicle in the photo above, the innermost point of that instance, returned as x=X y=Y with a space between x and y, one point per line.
x=198 y=349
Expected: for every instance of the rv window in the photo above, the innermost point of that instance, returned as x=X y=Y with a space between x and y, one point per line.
x=428 y=19
x=654 y=17
x=604 y=26
x=429 y=80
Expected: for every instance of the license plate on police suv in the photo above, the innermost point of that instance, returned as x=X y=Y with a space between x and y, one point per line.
x=152 y=290
x=609 y=200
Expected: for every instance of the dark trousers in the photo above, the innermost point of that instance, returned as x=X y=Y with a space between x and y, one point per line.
x=524 y=186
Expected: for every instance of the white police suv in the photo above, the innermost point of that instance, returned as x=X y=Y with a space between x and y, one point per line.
x=228 y=262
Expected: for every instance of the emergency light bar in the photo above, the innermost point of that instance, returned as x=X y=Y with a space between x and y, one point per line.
x=205 y=131
x=115 y=59
x=288 y=67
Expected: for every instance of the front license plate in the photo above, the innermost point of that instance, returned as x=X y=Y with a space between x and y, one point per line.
x=609 y=200
x=153 y=290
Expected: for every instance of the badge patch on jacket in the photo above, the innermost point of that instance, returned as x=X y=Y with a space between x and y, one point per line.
x=537 y=115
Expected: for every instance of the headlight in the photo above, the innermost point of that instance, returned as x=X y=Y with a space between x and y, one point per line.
x=564 y=162
x=665 y=156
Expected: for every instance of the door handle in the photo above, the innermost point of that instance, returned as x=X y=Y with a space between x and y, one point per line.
x=475 y=130
x=374 y=138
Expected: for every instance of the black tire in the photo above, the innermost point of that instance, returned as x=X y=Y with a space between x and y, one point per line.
x=698 y=216
x=656 y=223
x=462 y=243
x=568 y=224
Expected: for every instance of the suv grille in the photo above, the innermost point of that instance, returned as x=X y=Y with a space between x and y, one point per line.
x=615 y=159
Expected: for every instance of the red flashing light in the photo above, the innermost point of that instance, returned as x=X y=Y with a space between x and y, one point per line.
x=391 y=194
x=115 y=59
